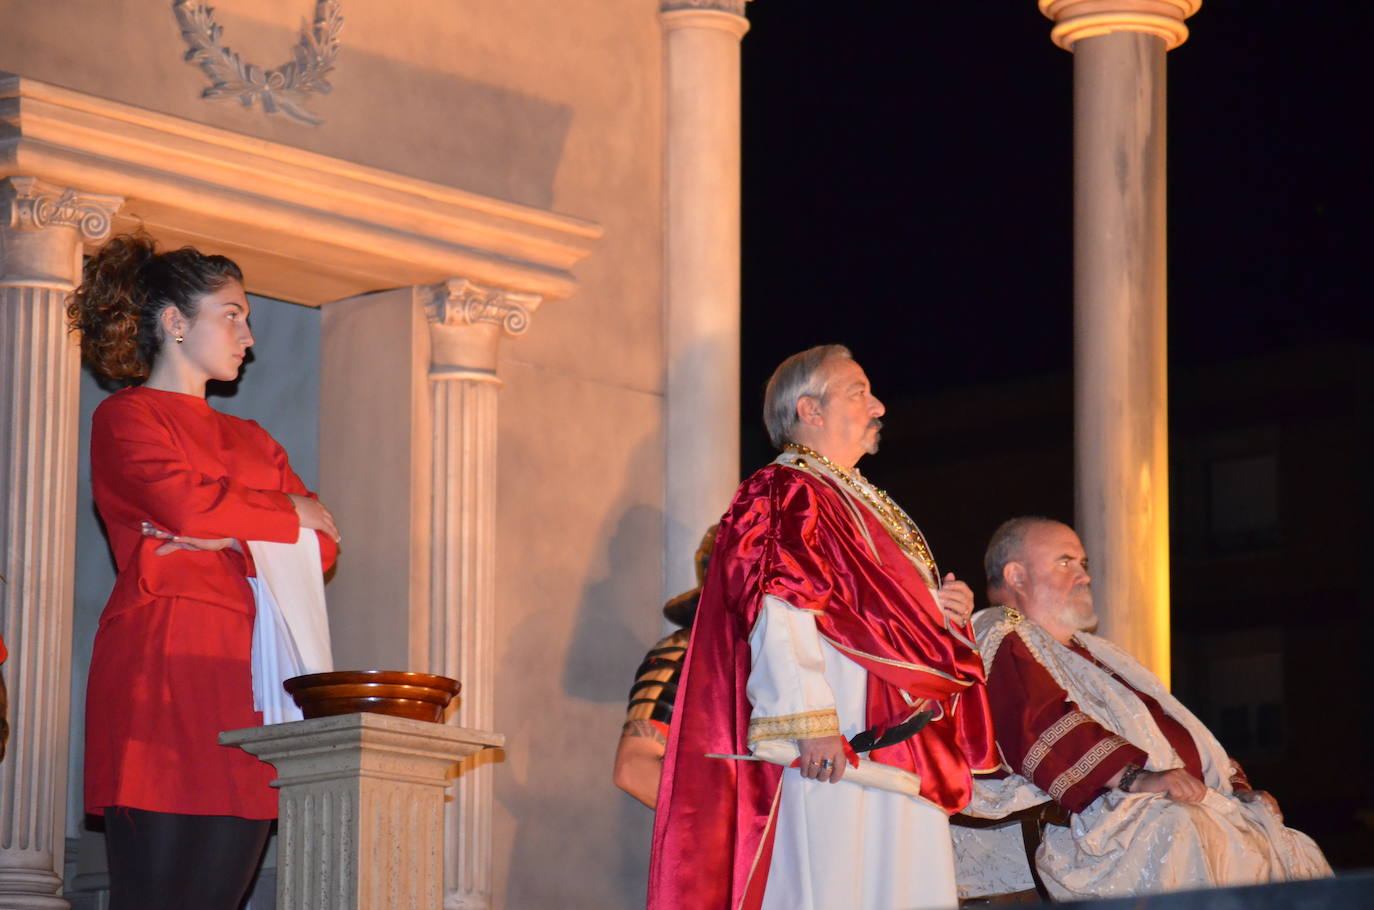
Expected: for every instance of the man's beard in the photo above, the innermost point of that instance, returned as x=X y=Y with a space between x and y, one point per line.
x=1073 y=616
x=876 y=426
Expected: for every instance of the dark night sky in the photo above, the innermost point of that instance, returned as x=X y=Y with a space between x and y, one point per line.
x=908 y=192
x=907 y=187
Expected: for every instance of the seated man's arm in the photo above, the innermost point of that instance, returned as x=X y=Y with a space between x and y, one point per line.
x=788 y=691
x=1175 y=783
x=1046 y=738
x=639 y=760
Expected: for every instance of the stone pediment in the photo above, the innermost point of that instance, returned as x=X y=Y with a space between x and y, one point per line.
x=305 y=227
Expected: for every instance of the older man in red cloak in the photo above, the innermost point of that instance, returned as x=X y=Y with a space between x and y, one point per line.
x=823 y=615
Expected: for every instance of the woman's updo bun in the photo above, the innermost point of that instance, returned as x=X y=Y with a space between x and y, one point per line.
x=124 y=288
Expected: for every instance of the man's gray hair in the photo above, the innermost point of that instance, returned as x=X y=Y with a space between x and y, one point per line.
x=1006 y=545
x=796 y=377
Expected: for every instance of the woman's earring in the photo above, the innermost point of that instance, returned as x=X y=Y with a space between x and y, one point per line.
x=180 y=339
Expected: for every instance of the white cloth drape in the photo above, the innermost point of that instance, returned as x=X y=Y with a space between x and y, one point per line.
x=291 y=632
x=1127 y=843
x=839 y=845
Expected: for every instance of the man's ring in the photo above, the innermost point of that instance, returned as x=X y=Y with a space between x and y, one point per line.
x=827 y=765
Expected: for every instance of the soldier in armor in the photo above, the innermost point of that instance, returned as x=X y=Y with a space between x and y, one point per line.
x=644 y=738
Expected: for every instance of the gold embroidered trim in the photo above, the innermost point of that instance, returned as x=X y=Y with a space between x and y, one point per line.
x=891 y=516
x=1046 y=740
x=807 y=725
x=1085 y=766
x=957 y=634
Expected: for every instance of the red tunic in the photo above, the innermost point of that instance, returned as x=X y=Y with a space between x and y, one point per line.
x=170 y=667
x=1040 y=730
x=790 y=534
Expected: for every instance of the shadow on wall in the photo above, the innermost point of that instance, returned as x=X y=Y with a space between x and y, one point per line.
x=385 y=110
x=389 y=114
x=476 y=137
x=603 y=630
x=569 y=817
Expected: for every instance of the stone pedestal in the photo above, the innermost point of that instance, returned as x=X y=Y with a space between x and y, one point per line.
x=42 y=229
x=1120 y=303
x=702 y=174
x=362 y=808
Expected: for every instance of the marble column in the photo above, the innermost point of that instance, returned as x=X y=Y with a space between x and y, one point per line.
x=1120 y=340
x=362 y=807
x=466 y=324
x=42 y=229
x=702 y=48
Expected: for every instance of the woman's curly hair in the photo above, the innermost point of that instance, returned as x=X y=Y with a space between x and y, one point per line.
x=124 y=288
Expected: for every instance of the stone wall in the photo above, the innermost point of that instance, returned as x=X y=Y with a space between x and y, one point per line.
x=556 y=104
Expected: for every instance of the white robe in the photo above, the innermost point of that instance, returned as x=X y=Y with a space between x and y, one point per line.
x=839 y=845
x=1127 y=843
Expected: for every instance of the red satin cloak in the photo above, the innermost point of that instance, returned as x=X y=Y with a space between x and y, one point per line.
x=792 y=534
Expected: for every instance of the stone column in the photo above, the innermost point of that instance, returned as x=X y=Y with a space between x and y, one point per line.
x=702 y=168
x=1120 y=376
x=362 y=807
x=42 y=229
x=466 y=324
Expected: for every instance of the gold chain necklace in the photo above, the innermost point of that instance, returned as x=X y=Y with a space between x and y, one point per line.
x=899 y=525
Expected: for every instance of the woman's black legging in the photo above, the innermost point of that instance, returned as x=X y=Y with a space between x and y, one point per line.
x=169 y=861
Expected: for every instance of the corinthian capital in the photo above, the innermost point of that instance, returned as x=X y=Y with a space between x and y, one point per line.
x=1077 y=19
x=29 y=204
x=466 y=324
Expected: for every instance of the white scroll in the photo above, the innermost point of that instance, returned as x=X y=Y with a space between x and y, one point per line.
x=867 y=774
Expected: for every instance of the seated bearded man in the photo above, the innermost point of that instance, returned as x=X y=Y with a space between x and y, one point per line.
x=1157 y=803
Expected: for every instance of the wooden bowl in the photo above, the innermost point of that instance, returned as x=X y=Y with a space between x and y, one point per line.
x=400 y=693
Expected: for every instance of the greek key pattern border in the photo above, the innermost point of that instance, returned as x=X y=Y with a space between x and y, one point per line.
x=1085 y=766
x=1046 y=740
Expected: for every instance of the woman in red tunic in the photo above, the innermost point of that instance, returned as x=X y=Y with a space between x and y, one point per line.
x=179 y=487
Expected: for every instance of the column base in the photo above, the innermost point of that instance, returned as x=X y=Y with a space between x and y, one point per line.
x=30 y=890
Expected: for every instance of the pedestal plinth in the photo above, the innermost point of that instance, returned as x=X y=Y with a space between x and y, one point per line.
x=362 y=807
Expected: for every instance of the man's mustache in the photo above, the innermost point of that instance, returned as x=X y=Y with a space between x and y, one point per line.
x=875 y=424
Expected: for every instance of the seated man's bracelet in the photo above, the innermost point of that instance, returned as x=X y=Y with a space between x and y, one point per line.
x=1128 y=776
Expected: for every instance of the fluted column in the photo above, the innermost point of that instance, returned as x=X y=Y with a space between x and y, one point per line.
x=466 y=324
x=702 y=46
x=1120 y=341
x=42 y=228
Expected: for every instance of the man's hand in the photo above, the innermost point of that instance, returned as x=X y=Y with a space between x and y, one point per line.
x=176 y=542
x=1261 y=796
x=314 y=515
x=815 y=753
x=955 y=599
x=1175 y=784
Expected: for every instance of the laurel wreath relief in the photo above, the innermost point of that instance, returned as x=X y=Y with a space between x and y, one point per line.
x=283 y=88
